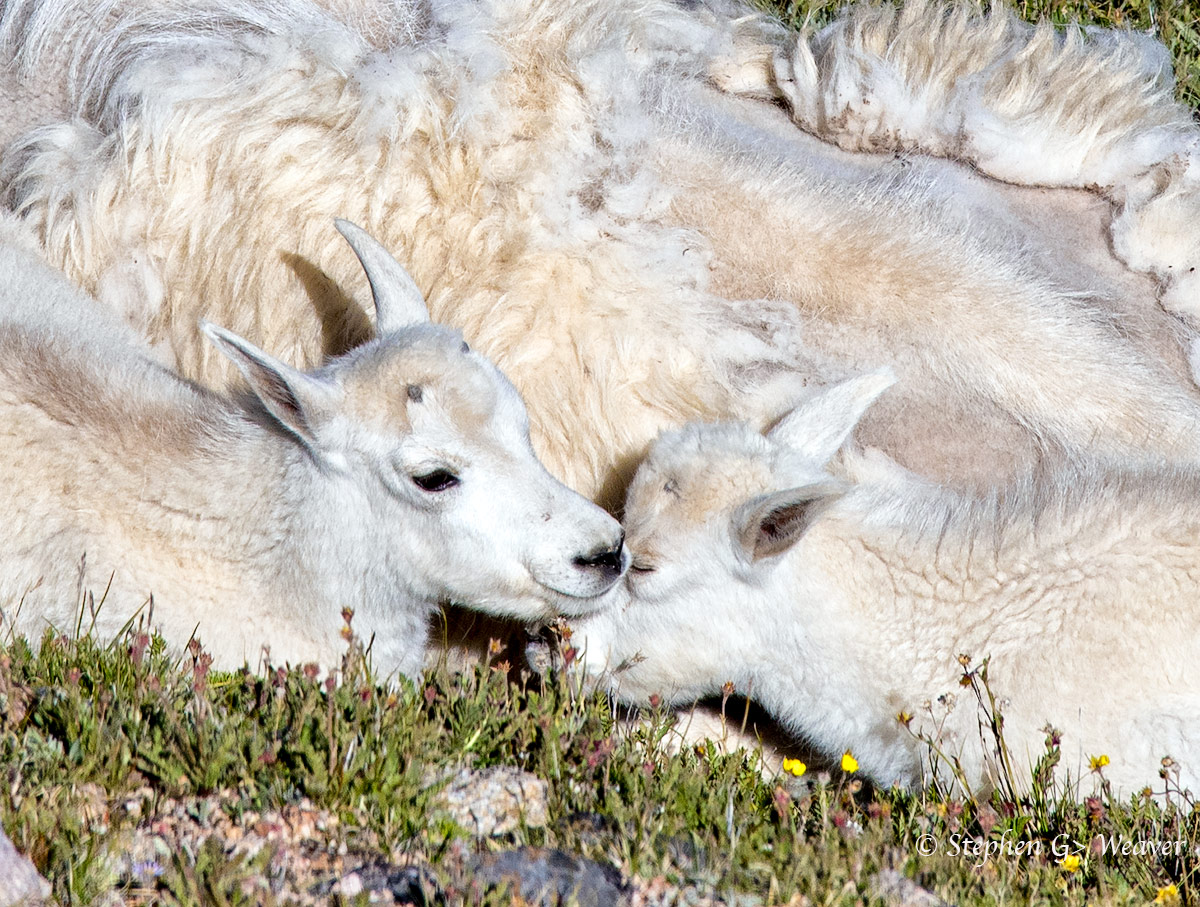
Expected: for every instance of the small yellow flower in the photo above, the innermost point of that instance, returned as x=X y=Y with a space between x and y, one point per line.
x=794 y=767
x=905 y=718
x=849 y=763
x=1098 y=762
x=1070 y=863
x=1168 y=895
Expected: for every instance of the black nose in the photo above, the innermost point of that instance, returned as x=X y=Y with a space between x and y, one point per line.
x=607 y=561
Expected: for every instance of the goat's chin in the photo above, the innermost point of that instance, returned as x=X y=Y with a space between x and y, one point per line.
x=567 y=605
x=539 y=604
x=581 y=598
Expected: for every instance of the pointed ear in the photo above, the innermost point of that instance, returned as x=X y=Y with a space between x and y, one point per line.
x=398 y=302
x=820 y=426
x=769 y=525
x=299 y=403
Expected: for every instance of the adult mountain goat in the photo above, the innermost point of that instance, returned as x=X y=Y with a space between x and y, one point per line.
x=608 y=201
x=396 y=477
x=841 y=592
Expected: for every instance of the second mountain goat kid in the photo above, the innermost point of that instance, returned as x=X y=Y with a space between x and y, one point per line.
x=848 y=596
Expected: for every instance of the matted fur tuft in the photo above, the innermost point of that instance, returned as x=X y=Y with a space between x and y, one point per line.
x=1033 y=105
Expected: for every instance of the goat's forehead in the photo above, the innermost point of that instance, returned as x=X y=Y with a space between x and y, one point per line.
x=693 y=475
x=387 y=385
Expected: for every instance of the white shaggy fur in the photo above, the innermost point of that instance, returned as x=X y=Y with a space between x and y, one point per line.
x=1035 y=106
x=129 y=491
x=595 y=193
x=840 y=594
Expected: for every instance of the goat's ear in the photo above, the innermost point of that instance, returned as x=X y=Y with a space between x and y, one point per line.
x=769 y=525
x=820 y=426
x=398 y=302
x=299 y=402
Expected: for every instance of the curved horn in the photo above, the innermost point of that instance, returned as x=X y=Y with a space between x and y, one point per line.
x=398 y=302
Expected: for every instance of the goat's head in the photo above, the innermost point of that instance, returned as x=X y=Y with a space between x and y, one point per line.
x=434 y=443
x=710 y=515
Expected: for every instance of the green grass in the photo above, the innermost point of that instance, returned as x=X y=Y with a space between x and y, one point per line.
x=75 y=717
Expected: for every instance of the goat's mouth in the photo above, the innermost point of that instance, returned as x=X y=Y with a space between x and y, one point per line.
x=571 y=602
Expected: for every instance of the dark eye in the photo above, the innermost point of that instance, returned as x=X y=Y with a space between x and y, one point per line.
x=640 y=566
x=438 y=480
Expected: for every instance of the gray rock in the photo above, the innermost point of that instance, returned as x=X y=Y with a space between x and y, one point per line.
x=407 y=885
x=20 y=882
x=897 y=890
x=550 y=878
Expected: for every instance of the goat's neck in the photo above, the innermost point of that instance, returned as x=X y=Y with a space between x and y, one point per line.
x=814 y=670
x=872 y=609
x=296 y=520
x=245 y=499
x=307 y=532
x=346 y=549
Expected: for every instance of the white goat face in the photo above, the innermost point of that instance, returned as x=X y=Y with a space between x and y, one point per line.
x=432 y=442
x=710 y=514
x=445 y=437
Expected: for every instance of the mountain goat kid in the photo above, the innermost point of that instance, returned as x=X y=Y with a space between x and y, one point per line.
x=840 y=592
x=398 y=476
